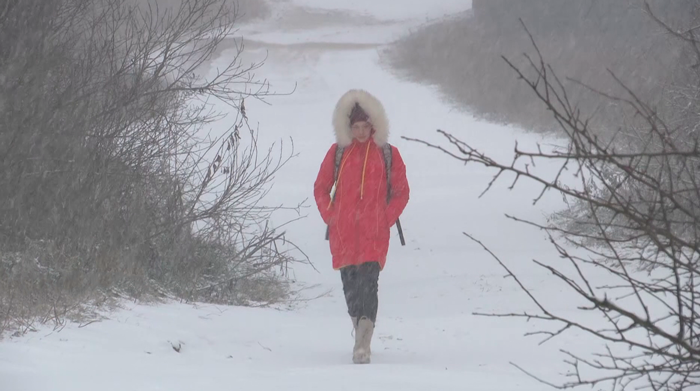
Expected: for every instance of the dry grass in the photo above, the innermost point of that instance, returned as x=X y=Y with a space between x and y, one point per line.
x=463 y=56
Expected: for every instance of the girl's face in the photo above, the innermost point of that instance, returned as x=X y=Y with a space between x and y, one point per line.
x=361 y=130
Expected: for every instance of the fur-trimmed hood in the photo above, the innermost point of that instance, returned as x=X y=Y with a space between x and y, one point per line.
x=374 y=109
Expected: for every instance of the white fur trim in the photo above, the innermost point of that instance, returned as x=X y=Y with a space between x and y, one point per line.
x=374 y=109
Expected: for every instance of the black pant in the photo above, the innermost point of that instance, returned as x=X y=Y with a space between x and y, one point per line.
x=361 y=286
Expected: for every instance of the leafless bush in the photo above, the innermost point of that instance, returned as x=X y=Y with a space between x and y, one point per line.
x=245 y=10
x=112 y=179
x=636 y=205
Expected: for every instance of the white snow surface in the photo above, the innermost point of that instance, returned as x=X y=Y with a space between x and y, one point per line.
x=427 y=337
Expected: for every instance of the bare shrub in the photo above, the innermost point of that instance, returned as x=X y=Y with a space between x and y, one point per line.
x=112 y=179
x=636 y=206
x=245 y=10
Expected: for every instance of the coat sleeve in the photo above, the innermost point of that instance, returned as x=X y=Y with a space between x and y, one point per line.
x=399 y=188
x=324 y=184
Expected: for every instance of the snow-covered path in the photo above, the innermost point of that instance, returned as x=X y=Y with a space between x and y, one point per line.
x=426 y=336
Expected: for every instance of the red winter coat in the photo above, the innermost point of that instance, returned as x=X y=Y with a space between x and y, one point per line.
x=360 y=218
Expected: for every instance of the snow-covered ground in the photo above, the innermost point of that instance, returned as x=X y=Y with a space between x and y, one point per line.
x=426 y=337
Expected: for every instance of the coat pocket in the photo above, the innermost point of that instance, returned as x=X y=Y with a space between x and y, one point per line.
x=387 y=223
x=333 y=217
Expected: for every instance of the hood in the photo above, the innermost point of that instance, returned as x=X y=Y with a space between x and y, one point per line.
x=371 y=105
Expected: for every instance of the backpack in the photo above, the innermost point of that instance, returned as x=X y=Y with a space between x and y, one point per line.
x=387 y=153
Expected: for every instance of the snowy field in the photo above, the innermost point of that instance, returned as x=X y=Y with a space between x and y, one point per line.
x=427 y=337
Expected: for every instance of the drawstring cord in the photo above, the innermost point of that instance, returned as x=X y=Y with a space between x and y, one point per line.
x=364 y=167
x=340 y=172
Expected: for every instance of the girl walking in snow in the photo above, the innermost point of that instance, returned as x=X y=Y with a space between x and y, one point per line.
x=360 y=200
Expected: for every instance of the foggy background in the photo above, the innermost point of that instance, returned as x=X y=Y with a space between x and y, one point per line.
x=132 y=169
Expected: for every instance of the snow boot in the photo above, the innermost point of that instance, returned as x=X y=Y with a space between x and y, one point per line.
x=363 y=338
x=358 y=339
